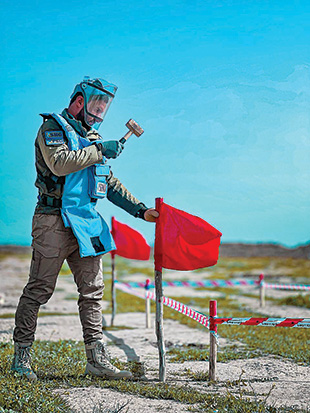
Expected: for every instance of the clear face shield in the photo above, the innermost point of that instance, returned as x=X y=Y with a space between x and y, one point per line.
x=95 y=108
x=98 y=95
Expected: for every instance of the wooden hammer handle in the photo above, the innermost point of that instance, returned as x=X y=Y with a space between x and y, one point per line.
x=125 y=137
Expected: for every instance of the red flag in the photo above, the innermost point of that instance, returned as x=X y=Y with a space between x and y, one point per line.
x=129 y=242
x=184 y=241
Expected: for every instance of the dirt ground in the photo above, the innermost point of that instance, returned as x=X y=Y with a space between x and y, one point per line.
x=291 y=381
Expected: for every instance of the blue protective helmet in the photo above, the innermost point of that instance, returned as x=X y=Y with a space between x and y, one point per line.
x=98 y=95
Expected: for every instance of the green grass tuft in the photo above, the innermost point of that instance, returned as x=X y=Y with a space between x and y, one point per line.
x=20 y=395
x=232 y=352
x=299 y=300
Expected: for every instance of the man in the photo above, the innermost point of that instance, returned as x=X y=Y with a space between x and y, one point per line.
x=72 y=174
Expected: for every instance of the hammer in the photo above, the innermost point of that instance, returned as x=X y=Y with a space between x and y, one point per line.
x=133 y=128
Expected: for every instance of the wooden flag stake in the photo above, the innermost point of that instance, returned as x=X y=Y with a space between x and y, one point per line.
x=159 y=296
x=113 y=289
x=213 y=341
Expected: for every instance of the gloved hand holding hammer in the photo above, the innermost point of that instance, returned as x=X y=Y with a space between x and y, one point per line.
x=112 y=149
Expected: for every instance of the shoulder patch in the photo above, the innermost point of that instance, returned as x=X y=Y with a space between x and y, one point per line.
x=54 y=138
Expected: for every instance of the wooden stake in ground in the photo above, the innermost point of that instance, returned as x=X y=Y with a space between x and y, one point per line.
x=213 y=341
x=159 y=296
x=113 y=289
x=159 y=326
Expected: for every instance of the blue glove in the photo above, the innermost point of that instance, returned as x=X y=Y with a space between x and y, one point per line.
x=111 y=149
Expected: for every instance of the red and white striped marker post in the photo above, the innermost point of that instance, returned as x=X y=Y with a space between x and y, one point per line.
x=262 y=290
x=213 y=340
x=159 y=295
x=147 y=303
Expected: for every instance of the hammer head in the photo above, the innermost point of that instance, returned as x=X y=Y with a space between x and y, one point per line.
x=134 y=127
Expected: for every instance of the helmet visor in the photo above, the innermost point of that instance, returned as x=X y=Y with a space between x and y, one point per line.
x=98 y=96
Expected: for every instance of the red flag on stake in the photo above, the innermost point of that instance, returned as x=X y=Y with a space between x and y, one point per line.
x=129 y=242
x=184 y=241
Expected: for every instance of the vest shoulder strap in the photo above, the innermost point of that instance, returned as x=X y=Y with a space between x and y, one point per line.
x=46 y=116
x=59 y=119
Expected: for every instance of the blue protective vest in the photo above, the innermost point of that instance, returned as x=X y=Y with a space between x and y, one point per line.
x=78 y=204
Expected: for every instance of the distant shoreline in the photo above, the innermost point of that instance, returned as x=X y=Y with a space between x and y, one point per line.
x=227 y=249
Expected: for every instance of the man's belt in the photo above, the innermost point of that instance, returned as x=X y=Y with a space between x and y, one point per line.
x=55 y=202
x=50 y=201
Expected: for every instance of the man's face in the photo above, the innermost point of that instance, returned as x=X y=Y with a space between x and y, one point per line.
x=96 y=108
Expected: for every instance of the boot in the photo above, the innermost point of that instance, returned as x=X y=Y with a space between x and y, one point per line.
x=21 y=362
x=99 y=364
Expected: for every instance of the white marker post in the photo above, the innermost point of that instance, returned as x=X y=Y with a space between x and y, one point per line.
x=262 y=290
x=147 y=304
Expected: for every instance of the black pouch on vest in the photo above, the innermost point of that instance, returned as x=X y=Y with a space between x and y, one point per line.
x=98 y=186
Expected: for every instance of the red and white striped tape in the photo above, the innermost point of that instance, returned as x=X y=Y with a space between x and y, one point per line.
x=183 y=309
x=194 y=284
x=220 y=283
x=287 y=286
x=265 y=322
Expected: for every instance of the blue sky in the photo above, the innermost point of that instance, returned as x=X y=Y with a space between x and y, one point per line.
x=221 y=88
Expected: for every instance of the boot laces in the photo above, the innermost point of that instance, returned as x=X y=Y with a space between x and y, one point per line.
x=104 y=357
x=24 y=357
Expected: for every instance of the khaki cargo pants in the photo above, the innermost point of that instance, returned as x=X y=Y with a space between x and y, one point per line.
x=53 y=244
